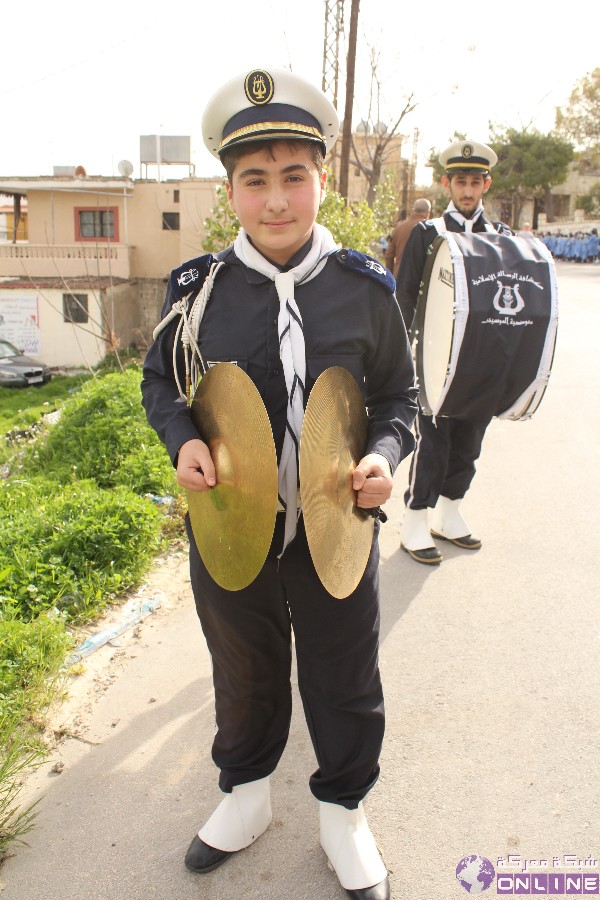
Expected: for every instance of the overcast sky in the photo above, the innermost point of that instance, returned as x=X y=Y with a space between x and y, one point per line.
x=81 y=83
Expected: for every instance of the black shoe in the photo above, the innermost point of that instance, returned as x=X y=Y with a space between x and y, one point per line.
x=468 y=542
x=202 y=858
x=430 y=556
x=379 y=891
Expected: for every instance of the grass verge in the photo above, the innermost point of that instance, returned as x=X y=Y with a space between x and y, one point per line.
x=77 y=532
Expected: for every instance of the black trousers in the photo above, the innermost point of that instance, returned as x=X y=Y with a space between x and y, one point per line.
x=443 y=462
x=248 y=634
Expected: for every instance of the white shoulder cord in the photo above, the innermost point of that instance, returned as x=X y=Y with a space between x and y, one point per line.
x=188 y=330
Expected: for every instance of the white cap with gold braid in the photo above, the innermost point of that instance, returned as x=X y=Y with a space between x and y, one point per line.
x=265 y=105
x=467 y=156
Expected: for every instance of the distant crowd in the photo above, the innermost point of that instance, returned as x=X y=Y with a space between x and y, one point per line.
x=580 y=246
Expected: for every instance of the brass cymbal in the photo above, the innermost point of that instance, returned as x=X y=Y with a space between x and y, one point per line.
x=233 y=522
x=333 y=441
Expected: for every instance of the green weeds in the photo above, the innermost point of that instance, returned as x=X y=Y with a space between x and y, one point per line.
x=22 y=407
x=76 y=533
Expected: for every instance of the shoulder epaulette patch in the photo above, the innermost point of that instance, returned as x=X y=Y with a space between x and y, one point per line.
x=190 y=275
x=367 y=265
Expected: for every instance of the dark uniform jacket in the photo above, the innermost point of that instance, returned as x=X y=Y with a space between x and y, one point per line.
x=350 y=318
x=415 y=253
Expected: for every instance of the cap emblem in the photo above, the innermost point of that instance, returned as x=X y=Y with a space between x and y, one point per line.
x=467 y=151
x=259 y=87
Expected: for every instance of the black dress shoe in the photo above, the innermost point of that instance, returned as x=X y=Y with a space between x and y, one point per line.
x=430 y=556
x=202 y=858
x=468 y=542
x=379 y=891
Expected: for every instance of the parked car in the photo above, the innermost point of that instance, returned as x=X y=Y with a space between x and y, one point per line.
x=18 y=370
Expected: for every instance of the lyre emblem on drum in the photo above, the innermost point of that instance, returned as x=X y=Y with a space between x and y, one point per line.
x=503 y=299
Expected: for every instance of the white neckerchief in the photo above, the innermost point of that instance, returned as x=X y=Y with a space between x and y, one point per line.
x=462 y=220
x=292 y=352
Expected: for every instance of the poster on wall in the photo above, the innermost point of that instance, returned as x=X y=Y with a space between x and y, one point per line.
x=20 y=322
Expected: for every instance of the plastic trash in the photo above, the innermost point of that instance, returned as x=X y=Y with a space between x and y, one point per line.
x=167 y=501
x=107 y=634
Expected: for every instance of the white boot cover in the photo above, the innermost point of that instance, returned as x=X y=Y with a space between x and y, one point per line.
x=240 y=818
x=447 y=520
x=415 y=530
x=350 y=846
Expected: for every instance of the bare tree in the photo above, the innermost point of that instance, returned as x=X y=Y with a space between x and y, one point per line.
x=377 y=136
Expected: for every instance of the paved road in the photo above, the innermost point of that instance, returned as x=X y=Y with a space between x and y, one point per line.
x=492 y=678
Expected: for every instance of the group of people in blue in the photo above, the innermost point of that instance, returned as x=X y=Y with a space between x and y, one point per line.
x=581 y=247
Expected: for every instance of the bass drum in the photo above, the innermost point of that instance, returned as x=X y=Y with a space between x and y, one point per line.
x=485 y=326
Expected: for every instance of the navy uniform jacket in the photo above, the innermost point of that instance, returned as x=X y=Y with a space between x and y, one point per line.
x=350 y=318
x=415 y=254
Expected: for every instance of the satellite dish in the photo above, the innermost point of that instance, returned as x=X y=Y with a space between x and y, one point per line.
x=80 y=171
x=125 y=168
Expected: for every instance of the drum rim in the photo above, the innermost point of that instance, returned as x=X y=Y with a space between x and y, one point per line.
x=419 y=322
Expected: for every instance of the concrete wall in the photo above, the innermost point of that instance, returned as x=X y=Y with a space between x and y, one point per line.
x=149 y=298
x=51 y=216
x=34 y=322
x=157 y=251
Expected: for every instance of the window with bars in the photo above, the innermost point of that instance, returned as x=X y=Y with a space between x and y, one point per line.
x=75 y=308
x=170 y=221
x=96 y=224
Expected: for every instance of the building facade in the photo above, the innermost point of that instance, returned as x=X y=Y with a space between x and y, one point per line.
x=86 y=270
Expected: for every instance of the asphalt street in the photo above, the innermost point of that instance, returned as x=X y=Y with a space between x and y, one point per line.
x=491 y=673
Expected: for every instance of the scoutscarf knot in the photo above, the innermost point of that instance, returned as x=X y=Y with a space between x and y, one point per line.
x=462 y=220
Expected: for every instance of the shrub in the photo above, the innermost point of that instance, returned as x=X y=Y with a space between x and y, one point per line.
x=103 y=434
x=73 y=547
x=31 y=654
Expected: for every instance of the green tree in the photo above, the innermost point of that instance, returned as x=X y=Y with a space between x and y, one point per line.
x=590 y=202
x=579 y=121
x=385 y=205
x=529 y=165
x=221 y=226
x=354 y=226
x=438 y=169
x=351 y=226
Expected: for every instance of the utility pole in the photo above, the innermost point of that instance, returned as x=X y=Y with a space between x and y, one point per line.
x=333 y=35
x=350 y=70
x=334 y=28
x=413 y=167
